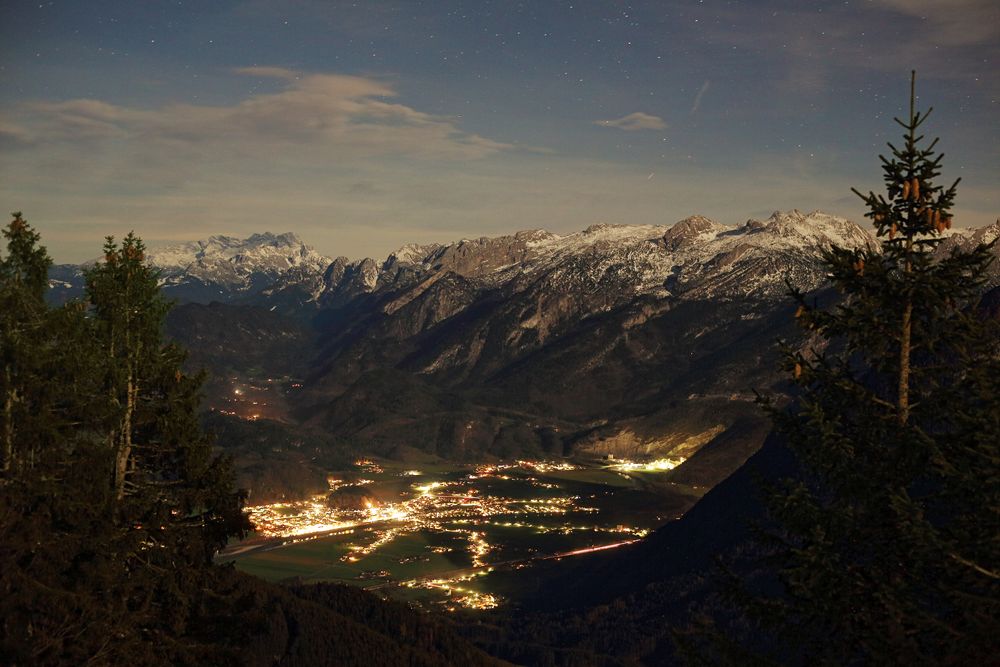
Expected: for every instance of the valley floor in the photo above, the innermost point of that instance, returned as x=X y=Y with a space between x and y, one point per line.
x=451 y=536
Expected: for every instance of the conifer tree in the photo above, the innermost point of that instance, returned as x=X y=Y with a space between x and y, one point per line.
x=889 y=541
x=112 y=503
x=129 y=311
x=23 y=280
x=164 y=480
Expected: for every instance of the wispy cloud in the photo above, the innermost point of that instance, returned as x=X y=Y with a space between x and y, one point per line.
x=635 y=121
x=313 y=114
x=269 y=72
x=952 y=40
x=952 y=23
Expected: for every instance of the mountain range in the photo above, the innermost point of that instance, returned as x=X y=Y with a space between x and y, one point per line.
x=623 y=340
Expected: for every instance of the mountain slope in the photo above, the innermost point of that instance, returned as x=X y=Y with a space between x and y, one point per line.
x=623 y=339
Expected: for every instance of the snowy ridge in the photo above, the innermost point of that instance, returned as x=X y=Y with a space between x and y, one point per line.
x=232 y=264
x=412 y=253
x=598 y=268
x=696 y=256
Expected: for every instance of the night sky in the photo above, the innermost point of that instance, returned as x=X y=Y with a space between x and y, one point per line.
x=365 y=125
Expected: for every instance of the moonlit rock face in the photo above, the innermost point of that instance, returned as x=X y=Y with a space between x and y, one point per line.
x=697 y=257
x=593 y=270
x=237 y=264
x=264 y=252
x=412 y=253
x=690 y=230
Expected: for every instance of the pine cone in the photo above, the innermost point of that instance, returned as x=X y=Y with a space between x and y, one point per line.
x=915 y=189
x=798 y=370
x=906 y=190
x=892 y=231
x=938 y=223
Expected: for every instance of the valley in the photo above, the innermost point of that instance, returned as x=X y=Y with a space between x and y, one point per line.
x=456 y=536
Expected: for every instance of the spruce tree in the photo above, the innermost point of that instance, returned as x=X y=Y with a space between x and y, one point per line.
x=889 y=540
x=112 y=503
x=23 y=313
x=165 y=483
x=129 y=312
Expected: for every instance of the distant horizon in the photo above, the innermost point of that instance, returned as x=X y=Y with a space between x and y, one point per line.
x=154 y=244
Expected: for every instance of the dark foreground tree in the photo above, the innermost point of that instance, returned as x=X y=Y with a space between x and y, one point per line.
x=888 y=544
x=163 y=476
x=111 y=502
x=23 y=322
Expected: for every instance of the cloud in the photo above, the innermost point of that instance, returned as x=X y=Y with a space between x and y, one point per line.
x=804 y=51
x=952 y=23
x=315 y=148
x=699 y=95
x=365 y=189
x=13 y=135
x=327 y=116
x=635 y=121
x=268 y=72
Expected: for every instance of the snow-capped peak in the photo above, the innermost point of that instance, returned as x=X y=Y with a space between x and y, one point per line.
x=816 y=228
x=235 y=264
x=412 y=253
x=228 y=247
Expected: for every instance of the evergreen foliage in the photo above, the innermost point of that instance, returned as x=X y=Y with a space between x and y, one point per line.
x=23 y=320
x=163 y=472
x=888 y=547
x=112 y=503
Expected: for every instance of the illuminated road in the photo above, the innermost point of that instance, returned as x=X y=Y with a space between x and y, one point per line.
x=455 y=575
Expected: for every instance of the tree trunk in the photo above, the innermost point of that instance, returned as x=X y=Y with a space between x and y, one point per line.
x=124 y=449
x=903 y=405
x=903 y=400
x=10 y=395
x=904 y=365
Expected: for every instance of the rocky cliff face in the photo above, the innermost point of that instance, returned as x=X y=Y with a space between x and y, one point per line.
x=627 y=260
x=511 y=295
x=222 y=268
x=624 y=339
x=225 y=268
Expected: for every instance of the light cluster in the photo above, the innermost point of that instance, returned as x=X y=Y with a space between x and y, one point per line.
x=458 y=595
x=659 y=465
x=368 y=465
x=438 y=507
x=546 y=466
